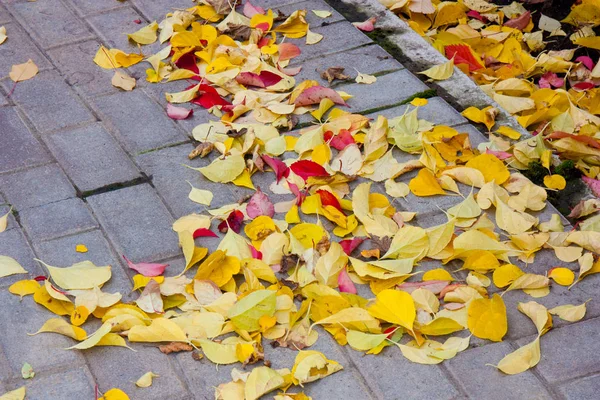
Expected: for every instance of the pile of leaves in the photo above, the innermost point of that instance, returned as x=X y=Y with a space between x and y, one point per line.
x=327 y=248
x=543 y=71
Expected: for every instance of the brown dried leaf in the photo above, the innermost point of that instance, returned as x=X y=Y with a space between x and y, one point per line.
x=381 y=243
x=238 y=32
x=175 y=347
x=202 y=150
x=332 y=73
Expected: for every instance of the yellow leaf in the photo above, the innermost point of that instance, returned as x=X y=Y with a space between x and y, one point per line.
x=82 y=275
x=529 y=281
x=592 y=42
x=145 y=35
x=24 y=287
x=506 y=274
x=440 y=326
x=569 y=312
x=200 y=196
x=307 y=234
x=513 y=221
x=224 y=170
x=292 y=216
x=127 y=60
x=146 y=380
x=365 y=78
x=425 y=184
x=487 y=318
x=114 y=394
x=313 y=37
x=561 y=275
x=23 y=72
x=409 y=242
x=353 y=318
x=508 y=132
x=42 y=297
x=362 y=341
x=3 y=36
x=419 y=102
x=396 y=189
x=486 y=116
x=17 y=394
x=438 y=274
x=93 y=339
x=79 y=315
x=521 y=359
x=395 y=307
x=311 y=365
x=10 y=266
x=538 y=314
x=440 y=72
x=262 y=380
x=59 y=325
x=294 y=26
x=4 y=221
x=246 y=313
x=81 y=248
x=160 y=330
x=322 y=13
x=555 y=182
x=183 y=96
x=491 y=168
x=123 y=81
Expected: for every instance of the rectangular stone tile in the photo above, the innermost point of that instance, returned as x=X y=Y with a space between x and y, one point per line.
x=337 y=37
x=19 y=147
x=76 y=63
x=5 y=17
x=91 y=157
x=86 y=7
x=14 y=244
x=36 y=186
x=113 y=26
x=366 y=59
x=57 y=219
x=397 y=86
x=585 y=388
x=169 y=176
x=17 y=49
x=131 y=366
x=137 y=223
x=61 y=253
x=43 y=351
x=140 y=123
x=481 y=381
x=50 y=103
x=390 y=374
x=436 y=111
x=5 y=372
x=50 y=22
x=156 y=10
x=71 y=384
x=569 y=352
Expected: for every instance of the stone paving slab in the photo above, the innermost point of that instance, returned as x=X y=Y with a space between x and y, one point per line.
x=68 y=131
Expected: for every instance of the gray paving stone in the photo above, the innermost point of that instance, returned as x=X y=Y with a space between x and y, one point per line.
x=3 y=100
x=85 y=7
x=169 y=176
x=50 y=22
x=481 y=381
x=313 y=20
x=61 y=253
x=113 y=27
x=71 y=384
x=19 y=147
x=75 y=62
x=157 y=9
x=437 y=111
x=57 y=219
x=367 y=59
x=19 y=48
x=137 y=223
x=91 y=157
x=5 y=17
x=586 y=388
x=36 y=187
x=569 y=352
x=49 y=102
x=43 y=351
x=138 y=121
x=14 y=244
x=131 y=366
x=393 y=376
x=397 y=86
x=5 y=372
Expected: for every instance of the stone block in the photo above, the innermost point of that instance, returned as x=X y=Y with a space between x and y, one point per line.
x=19 y=147
x=114 y=25
x=136 y=222
x=24 y=189
x=156 y=10
x=14 y=244
x=44 y=351
x=436 y=111
x=5 y=17
x=49 y=102
x=486 y=382
x=17 y=49
x=138 y=122
x=119 y=367
x=313 y=20
x=61 y=253
x=76 y=62
x=57 y=219
x=85 y=7
x=91 y=157
x=569 y=352
x=50 y=23
x=71 y=384
x=585 y=388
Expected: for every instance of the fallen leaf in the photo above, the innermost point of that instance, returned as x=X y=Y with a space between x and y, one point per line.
x=365 y=78
x=569 y=312
x=178 y=113
x=3 y=36
x=440 y=72
x=10 y=266
x=27 y=371
x=123 y=81
x=366 y=26
x=4 y=221
x=146 y=380
x=23 y=72
x=147 y=269
x=487 y=318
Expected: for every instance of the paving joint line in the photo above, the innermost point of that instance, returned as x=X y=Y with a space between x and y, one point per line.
x=115 y=186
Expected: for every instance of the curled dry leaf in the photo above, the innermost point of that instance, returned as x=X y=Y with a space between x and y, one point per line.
x=333 y=73
x=175 y=347
x=366 y=26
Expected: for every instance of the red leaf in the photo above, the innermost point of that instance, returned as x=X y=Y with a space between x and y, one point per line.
x=260 y=204
x=255 y=253
x=188 y=61
x=462 y=55
x=203 y=232
x=287 y=51
x=590 y=141
x=476 y=15
x=314 y=95
x=587 y=61
x=306 y=168
x=345 y=283
x=263 y=42
x=339 y=141
x=519 y=22
x=251 y=10
x=234 y=221
x=175 y=112
x=501 y=155
x=328 y=199
x=300 y=196
x=147 y=269
x=349 y=245
x=550 y=79
x=262 y=80
x=263 y=26
x=40 y=278
x=209 y=97
x=366 y=26
x=277 y=166
x=582 y=86
x=137 y=21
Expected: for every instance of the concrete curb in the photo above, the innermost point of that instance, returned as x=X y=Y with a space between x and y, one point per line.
x=418 y=55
